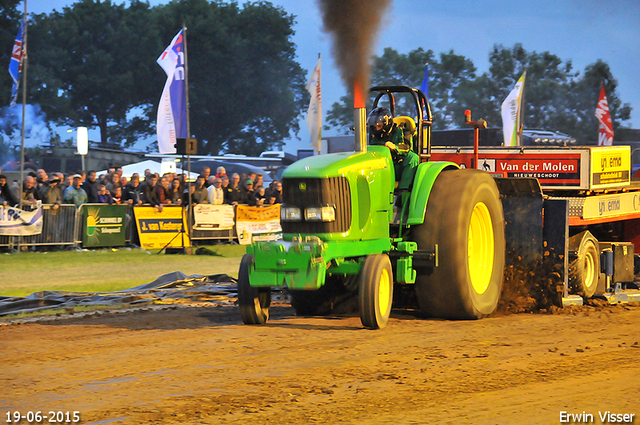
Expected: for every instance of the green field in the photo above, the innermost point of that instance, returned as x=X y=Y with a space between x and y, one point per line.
x=105 y=270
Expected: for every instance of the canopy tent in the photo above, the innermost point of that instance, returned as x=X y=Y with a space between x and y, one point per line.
x=153 y=166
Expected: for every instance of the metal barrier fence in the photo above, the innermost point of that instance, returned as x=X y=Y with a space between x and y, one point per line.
x=63 y=226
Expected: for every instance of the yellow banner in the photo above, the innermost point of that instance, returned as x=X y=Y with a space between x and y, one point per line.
x=247 y=213
x=610 y=166
x=161 y=229
x=258 y=223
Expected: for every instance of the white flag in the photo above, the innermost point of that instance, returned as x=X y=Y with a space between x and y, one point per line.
x=172 y=109
x=511 y=114
x=314 y=114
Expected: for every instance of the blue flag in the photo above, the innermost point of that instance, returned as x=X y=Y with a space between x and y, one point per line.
x=15 y=65
x=172 y=111
x=425 y=81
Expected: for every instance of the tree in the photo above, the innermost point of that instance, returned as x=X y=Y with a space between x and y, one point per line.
x=556 y=98
x=90 y=66
x=246 y=91
x=393 y=68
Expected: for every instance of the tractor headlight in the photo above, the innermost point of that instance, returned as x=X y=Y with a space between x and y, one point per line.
x=290 y=214
x=325 y=213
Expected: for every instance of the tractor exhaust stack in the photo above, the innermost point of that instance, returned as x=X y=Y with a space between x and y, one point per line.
x=359 y=118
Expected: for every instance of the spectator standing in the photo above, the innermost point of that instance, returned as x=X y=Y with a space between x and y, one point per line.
x=6 y=195
x=117 y=197
x=113 y=183
x=104 y=196
x=221 y=172
x=91 y=187
x=175 y=192
x=258 y=181
x=276 y=193
x=201 y=194
x=233 y=193
x=50 y=193
x=189 y=192
x=215 y=192
x=133 y=192
x=260 y=197
x=150 y=191
x=206 y=172
x=162 y=191
x=74 y=194
x=41 y=178
x=248 y=196
x=28 y=195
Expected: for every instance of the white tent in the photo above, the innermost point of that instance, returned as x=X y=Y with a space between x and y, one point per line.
x=140 y=167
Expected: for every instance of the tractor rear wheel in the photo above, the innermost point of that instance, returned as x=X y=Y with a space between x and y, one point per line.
x=376 y=291
x=584 y=268
x=254 y=302
x=464 y=218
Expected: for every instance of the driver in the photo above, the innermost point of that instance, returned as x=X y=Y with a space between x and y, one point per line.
x=384 y=132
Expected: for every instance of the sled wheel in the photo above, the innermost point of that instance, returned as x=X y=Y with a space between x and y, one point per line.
x=584 y=269
x=464 y=218
x=376 y=291
x=254 y=302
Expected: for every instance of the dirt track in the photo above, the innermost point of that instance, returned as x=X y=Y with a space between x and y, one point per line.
x=201 y=365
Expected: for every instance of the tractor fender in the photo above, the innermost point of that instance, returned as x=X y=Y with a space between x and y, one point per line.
x=426 y=175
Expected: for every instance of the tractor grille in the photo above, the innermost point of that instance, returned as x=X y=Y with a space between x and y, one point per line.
x=305 y=193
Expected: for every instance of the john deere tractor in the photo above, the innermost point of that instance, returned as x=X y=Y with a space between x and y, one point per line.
x=348 y=230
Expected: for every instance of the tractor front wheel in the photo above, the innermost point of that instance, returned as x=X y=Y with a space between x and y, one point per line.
x=376 y=291
x=254 y=302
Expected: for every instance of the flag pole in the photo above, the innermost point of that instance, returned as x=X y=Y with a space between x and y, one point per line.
x=320 y=107
x=186 y=91
x=24 y=100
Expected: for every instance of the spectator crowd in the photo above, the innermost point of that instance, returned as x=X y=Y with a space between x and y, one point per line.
x=113 y=188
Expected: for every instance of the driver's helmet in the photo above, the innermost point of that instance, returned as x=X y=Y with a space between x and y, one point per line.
x=380 y=115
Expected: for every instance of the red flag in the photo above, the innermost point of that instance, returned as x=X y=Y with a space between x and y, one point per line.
x=605 y=134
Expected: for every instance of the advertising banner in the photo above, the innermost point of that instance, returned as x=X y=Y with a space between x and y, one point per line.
x=15 y=222
x=610 y=166
x=161 y=229
x=213 y=217
x=104 y=225
x=258 y=223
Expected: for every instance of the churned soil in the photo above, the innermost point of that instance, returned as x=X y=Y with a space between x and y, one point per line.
x=198 y=364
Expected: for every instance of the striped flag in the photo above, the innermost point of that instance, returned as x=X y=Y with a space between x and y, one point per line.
x=15 y=65
x=605 y=133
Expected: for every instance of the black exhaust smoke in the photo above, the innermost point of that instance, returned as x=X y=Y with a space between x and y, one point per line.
x=354 y=25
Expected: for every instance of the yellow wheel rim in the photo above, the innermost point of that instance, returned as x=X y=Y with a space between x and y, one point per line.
x=589 y=269
x=383 y=291
x=480 y=248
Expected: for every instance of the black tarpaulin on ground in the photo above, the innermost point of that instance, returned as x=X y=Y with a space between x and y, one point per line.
x=171 y=286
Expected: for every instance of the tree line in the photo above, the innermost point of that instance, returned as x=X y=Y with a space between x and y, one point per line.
x=93 y=64
x=557 y=97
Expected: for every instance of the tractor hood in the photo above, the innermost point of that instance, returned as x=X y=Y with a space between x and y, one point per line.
x=339 y=164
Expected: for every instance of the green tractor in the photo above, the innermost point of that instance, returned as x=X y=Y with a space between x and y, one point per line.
x=347 y=229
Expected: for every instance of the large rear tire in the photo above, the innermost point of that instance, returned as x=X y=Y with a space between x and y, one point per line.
x=584 y=268
x=376 y=291
x=254 y=302
x=464 y=218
